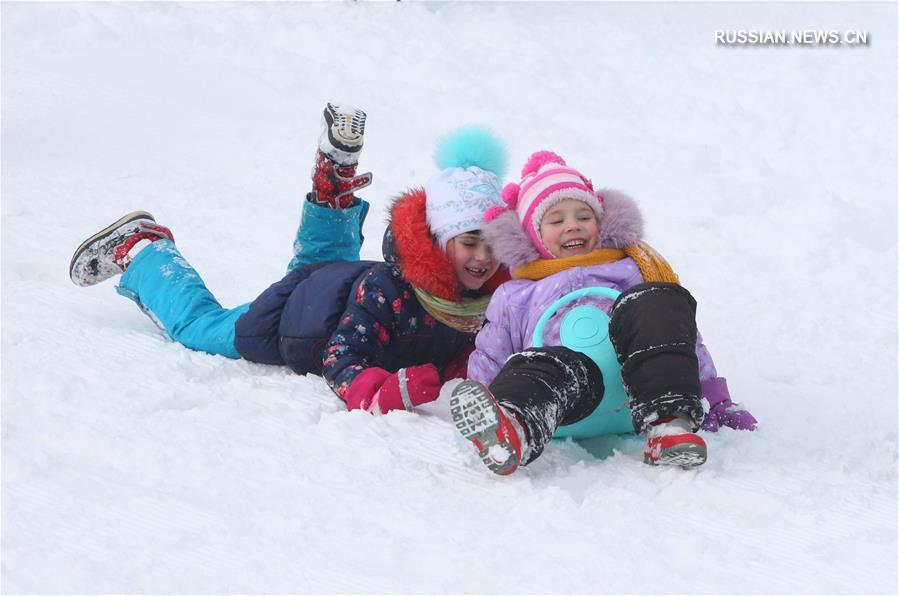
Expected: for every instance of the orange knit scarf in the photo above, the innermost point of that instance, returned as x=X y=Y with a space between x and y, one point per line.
x=652 y=265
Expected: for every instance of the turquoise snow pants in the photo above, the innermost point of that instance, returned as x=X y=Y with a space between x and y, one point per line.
x=171 y=292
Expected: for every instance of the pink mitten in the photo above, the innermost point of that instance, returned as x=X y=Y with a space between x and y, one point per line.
x=380 y=391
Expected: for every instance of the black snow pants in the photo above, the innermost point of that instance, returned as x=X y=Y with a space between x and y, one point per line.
x=548 y=387
x=653 y=330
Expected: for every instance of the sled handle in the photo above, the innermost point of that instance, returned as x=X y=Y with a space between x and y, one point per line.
x=569 y=297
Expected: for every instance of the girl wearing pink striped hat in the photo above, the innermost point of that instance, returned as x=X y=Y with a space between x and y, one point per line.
x=557 y=234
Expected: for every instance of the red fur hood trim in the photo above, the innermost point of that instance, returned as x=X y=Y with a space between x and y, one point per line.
x=422 y=262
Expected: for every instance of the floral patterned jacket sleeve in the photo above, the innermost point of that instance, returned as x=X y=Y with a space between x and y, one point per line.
x=365 y=330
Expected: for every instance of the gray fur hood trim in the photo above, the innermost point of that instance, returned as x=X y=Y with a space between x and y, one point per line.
x=621 y=225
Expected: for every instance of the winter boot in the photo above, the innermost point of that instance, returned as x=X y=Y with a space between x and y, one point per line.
x=111 y=250
x=343 y=128
x=670 y=442
x=495 y=432
x=334 y=177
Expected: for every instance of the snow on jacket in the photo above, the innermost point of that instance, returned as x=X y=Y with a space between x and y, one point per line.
x=517 y=305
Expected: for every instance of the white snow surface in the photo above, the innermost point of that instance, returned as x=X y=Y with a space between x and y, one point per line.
x=767 y=176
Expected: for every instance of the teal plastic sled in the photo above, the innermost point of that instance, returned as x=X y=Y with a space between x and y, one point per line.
x=586 y=329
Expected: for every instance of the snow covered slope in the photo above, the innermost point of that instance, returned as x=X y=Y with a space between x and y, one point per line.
x=767 y=176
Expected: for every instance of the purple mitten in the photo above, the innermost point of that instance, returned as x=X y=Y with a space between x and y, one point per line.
x=723 y=411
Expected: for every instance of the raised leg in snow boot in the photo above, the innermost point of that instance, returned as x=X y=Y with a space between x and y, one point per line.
x=334 y=179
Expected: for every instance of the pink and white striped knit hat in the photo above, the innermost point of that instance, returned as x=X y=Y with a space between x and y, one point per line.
x=545 y=180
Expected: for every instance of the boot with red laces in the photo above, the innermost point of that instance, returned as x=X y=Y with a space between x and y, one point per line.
x=498 y=435
x=334 y=179
x=110 y=251
x=671 y=442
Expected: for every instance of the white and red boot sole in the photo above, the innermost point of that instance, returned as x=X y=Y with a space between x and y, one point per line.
x=686 y=450
x=481 y=420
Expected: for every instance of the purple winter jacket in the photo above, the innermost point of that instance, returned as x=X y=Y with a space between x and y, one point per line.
x=517 y=305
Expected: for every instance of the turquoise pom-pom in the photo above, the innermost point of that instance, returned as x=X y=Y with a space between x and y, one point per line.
x=472 y=145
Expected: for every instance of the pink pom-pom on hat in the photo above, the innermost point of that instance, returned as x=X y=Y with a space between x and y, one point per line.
x=538 y=159
x=510 y=194
x=546 y=180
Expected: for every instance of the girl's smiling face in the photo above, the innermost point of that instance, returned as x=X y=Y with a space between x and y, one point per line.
x=569 y=229
x=472 y=260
